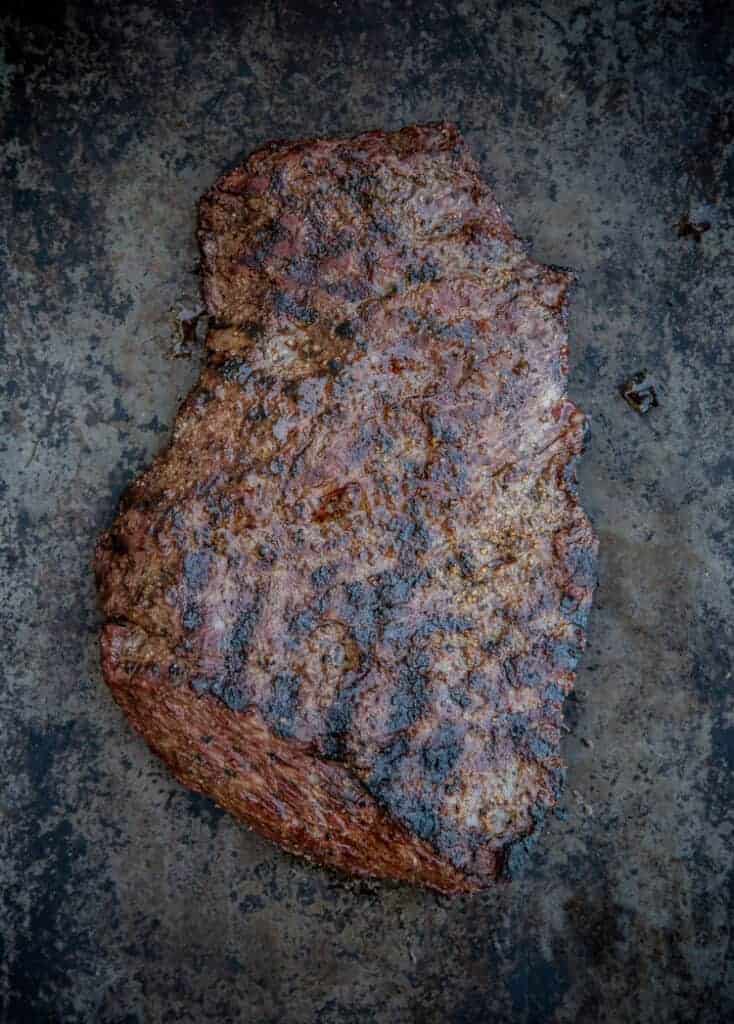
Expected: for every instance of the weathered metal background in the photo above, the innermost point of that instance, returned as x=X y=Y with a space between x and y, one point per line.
x=607 y=130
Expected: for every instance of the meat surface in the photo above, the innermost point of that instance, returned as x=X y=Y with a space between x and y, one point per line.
x=347 y=600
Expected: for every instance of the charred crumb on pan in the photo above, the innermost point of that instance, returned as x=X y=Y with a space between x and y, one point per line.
x=639 y=392
x=695 y=230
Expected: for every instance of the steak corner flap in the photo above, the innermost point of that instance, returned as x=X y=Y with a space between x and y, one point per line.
x=346 y=602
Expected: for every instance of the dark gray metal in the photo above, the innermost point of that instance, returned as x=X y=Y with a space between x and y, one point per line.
x=607 y=130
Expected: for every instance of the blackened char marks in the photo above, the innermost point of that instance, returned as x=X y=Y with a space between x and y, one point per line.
x=441 y=752
x=323 y=576
x=283 y=704
x=196 y=568
x=360 y=570
x=409 y=698
x=410 y=804
x=288 y=305
x=338 y=720
x=241 y=636
x=234 y=697
x=362 y=614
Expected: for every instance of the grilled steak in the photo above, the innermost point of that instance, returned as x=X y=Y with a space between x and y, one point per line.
x=347 y=601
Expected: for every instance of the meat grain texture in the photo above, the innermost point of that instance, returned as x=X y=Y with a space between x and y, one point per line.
x=347 y=601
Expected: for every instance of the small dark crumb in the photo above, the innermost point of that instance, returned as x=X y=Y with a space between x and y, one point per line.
x=255 y=330
x=189 y=330
x=345 y=329
x=688 y=228
x=118 y=544
x=639 y=393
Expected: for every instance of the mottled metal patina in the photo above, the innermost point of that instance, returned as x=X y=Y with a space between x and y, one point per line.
x=603 y=128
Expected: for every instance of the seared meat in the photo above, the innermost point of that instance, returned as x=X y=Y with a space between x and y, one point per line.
x=347 y=601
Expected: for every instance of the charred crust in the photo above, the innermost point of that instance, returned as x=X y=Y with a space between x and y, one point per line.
x=348 y=601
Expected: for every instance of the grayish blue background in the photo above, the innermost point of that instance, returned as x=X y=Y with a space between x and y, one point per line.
x=604 y=128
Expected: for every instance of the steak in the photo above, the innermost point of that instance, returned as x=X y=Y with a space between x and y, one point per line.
x=346 y=602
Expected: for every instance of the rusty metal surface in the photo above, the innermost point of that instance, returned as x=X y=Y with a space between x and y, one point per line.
x=607 y=131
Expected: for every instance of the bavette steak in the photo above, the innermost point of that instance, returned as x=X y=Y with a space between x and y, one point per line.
x=347 y=600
